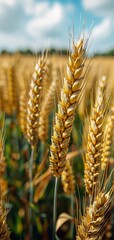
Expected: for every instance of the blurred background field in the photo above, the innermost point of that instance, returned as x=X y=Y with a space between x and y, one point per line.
x=16 y=72
x=27 y=28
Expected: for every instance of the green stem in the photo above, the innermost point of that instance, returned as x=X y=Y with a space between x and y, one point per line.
x=72 y=214
x=31 y=189
x=42 y=150
x=55 y=208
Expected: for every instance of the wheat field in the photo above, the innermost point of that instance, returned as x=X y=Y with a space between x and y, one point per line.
x=56 y=146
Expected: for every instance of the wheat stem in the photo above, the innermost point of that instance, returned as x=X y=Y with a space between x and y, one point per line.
x=55 y=208
x=72 y=214
x=31 y=188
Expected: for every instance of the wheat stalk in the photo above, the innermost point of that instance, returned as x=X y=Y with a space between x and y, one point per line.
x=33 y=110
x=2 y=159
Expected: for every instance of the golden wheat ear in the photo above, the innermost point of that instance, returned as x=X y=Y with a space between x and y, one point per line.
x=12 y=89
x=47 y=78
x=67 y=179
x=96 y=217
x=3 y=182
x=1 y=98
x=47 y=106
x=23 y=111
x=92 y=164
x=108 y=135
x=70 y=94
x=34 y=102
x=4 y=231
x=5 y=92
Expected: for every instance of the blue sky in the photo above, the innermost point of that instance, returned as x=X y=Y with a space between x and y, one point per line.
x=38 y=24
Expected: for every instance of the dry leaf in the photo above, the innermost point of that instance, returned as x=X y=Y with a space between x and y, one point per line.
x=41 y=188
x=43 y=177
x=41 y=165
x=63 y=218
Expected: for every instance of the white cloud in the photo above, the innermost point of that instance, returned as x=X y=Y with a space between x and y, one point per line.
x=31 y=23
x=12 y=16
x=100 y=7
x=7 y=2
x=102 y=30
x=38 y=8
x=48 y=19
x=28 y=23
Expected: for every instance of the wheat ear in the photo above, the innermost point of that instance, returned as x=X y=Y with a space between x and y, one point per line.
x=7 y=108
x=4 y=231
x=35 y=102
x=1 y=99
x=96 y=217
x=47 y=106
x=66 y=109
x=67 y=178
x=108 y=134
x=23 y=111
x=94 y=143
x=47 y=78
x=12 y=89
x=33 y=110
x=3 y=182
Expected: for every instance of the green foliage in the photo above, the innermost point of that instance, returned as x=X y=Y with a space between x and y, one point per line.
x=17 y=153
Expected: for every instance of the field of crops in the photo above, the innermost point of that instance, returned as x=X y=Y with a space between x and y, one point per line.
x=56 y=146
